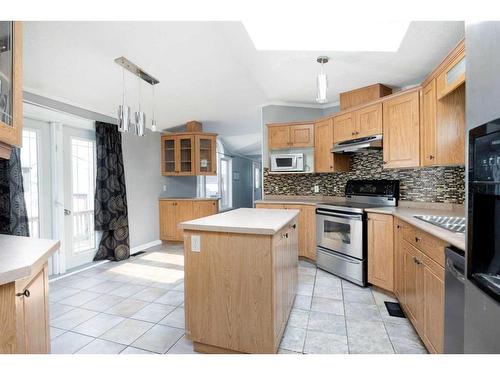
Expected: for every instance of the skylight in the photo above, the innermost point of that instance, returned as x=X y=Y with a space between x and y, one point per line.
x=348 y=35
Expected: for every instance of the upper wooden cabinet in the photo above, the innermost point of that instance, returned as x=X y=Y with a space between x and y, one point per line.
x=188 y=154
x=290 y=136
x=381 y=251
x=453 y=72
x=324 y=160
x=363 y=95
x=428 y=126
x=358 y=124
x=11 y=75
x=401 y=127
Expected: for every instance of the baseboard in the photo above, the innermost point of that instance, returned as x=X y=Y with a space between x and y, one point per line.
x=144 y=246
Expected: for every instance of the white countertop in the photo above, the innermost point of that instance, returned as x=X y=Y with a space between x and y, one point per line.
x=244 y=220
x=21 y=256
x=406 y=214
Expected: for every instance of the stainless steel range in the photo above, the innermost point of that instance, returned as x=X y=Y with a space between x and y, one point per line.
x=341 y=227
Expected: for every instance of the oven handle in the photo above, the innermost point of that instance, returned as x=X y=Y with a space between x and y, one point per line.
x=340 y=256
x=337 y=214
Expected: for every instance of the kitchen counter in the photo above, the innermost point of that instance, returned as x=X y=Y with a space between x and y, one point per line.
x=244 y=220
x=406 y=214
x=20 y=257
x=240 y=279
x=405 y=211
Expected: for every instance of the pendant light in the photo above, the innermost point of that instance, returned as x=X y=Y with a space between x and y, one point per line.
x=153 y=119
x=123 y=110
x=322 y=81
x=140 y=116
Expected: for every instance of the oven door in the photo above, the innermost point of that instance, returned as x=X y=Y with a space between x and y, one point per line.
x=340 y=232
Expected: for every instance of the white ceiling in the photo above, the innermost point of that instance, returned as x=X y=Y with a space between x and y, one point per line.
x=210 y=71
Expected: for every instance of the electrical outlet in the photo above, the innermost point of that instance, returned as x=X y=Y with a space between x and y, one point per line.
x=164 y=187
x=195 y=243
x=316 y=188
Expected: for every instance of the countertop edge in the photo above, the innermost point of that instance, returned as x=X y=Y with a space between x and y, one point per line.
x=426 y=227
x=186 y=199
x=19 y=273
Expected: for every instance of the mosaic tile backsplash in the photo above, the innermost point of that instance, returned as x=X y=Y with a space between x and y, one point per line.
x=433 y=184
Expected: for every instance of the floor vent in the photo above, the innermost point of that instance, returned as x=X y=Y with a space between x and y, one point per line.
x=394 y=309
x=138 y=253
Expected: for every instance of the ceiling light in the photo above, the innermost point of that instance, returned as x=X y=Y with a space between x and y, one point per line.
x=139 y=120
x=322 y=81
x=326 y=34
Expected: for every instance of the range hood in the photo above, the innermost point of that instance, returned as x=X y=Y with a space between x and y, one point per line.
x=365 y=144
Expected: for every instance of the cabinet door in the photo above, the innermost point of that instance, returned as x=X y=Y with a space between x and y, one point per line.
x=381 y=251
x=204 y=208
x=184 y=212
x=185 y=155
x=453 y=75
x=33 y=326
x=168 y=155
x=343 y=127
x=401 y=131
x=11 y=75
x=278 y=136
x=302 y=135
x=206 y=159
x=302 y=244
x=428 y=128
x=323 y=142
x=368 y=121
x=398 y=262
x=309 y=228
x=168 y=220
x=413 y=282
x=433 y=325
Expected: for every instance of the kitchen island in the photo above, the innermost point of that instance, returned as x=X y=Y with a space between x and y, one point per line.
x=240 y=279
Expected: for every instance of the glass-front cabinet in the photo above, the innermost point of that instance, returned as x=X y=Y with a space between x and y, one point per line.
x=206 y=160
x=10 y=86
x=453 y=74
x=188 y=154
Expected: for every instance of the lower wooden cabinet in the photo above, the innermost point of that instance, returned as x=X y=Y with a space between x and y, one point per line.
x=381 y=251
x=398 y=261
x=173 y=212
x=307 y=226
x=24 y=315
x=422 y=294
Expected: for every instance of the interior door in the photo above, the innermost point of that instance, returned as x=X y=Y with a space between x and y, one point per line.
x=79 y=187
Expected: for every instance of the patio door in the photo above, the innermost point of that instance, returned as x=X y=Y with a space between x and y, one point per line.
x=79 y=164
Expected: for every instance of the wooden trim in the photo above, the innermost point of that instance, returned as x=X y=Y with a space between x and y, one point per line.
x=167 y=133
x=13 y=134
x=291 y=123
x=452 y=55
x=5 y=151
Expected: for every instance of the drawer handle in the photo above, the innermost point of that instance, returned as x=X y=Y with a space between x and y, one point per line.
x=417 y=239
x=26 y=293
x=416 y=260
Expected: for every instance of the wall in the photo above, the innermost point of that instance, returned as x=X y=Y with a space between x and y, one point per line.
x=145 y=184
x=482 y=46
x=437 y=184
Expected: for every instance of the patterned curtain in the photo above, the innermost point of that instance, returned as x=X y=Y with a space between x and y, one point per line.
x=13 y=215
x=110 y=195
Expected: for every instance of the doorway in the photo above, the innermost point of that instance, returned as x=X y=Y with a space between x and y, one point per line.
x=257 y=181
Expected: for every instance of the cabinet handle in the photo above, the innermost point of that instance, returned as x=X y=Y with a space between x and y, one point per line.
x=294 y=226
x=331 y=166
x=431 y=157
x=397 y=226
x=384 y=162
x=286 y=235
x=417 y=239
x=26 y=293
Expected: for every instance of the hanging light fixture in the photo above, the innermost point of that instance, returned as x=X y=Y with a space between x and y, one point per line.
x=139 y=119
x=123 y=110
x=322 y=81
x=153 y=119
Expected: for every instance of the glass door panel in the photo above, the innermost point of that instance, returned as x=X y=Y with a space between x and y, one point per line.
x=6 y=72
x=206 y=155
x=29 y=165
x=169 y=155
x=186 y=155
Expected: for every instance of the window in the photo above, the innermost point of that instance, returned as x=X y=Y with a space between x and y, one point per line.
x=220 y=185
x=29 y=166
x=83 y=185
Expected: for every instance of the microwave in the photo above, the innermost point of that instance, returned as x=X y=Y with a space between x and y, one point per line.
x=287 y=163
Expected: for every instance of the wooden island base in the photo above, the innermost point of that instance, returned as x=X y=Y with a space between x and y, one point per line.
x=239 y=288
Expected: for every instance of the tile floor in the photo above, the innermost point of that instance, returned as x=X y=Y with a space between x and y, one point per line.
x=136 y=307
